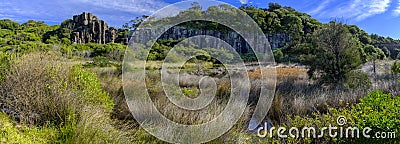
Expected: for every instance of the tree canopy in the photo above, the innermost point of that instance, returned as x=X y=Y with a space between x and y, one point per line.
x=335 y=52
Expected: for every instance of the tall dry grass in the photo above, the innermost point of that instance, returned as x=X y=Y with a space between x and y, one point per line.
x=296 y=95
x=34 y=92
x=43 y=88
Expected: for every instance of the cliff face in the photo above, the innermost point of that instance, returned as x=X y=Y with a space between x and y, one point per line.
x=87 y=28
x=393 y=49
x=278 y=40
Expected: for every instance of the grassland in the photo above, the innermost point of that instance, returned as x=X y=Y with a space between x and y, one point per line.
x=50 y=107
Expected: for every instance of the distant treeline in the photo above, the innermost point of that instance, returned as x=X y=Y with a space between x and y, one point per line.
x=37 y=35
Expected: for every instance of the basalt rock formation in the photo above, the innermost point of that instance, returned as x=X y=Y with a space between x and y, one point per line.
x=237 y=42
x=87 y=28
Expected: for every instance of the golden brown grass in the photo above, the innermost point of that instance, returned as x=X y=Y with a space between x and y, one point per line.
x=281 y=72
x=295 y=95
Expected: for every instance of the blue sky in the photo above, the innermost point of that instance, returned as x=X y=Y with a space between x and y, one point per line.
x=374 y=16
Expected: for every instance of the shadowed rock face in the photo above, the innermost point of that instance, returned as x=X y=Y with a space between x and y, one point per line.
x=277 y=40
x=87 y=28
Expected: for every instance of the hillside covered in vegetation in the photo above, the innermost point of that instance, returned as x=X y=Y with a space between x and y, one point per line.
x=287 y=30
x=62 y=83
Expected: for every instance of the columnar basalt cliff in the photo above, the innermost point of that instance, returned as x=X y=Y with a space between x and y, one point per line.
x=278 y=40
x=87 y=28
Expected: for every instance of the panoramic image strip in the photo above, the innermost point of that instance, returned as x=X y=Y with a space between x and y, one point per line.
x=199 y=71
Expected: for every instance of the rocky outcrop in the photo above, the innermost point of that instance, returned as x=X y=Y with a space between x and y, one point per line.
x=278 y=40
x=87 y=28
x=393 y=48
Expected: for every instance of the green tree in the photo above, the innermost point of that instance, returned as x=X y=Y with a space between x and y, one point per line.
x=374 y=53
x=278 y=55
x=133 y=24
x=8 y=24
x=335 y=52
x=274 y=6
x=398 y=56
x=395 y=68
x=386 y=51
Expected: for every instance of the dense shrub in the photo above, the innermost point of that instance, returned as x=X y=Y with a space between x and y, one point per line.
x=6 y=33
x=57 y=36
x=41 y=89
x=379 y=111
x=374 y=53
x=395 y=69
x=278 y=55
x=112 y=51
x=8 y=24
x=10 y=133
x=99 y=61
x=5 y=61
x=94 y=126
x=227 y=55
x=376 y=110
x=248 y=57
x=88 y=86
x=358 y=80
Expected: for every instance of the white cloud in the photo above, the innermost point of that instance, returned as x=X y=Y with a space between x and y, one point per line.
x=115 y=12
x=320 y=7
x=134 y=6
x=397 y=10
x=354 y=9
x=243 y=1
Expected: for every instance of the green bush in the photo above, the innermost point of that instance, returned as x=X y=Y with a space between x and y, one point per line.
x=248 y=57
x=376 y=110
x=5 y=61
x=112 y=51
x=8 y=24
x=7 y=34
x=379 y=111
x=227 y=55
x=278 y=55
x=99 y=61
x=358 y=80
x=94 y=126
x=395 y=69
x=318 y=121
x=11 y=133
x=43 y=90
x=87 y=85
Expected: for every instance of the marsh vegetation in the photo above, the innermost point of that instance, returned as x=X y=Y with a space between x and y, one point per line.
x=52 y=91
